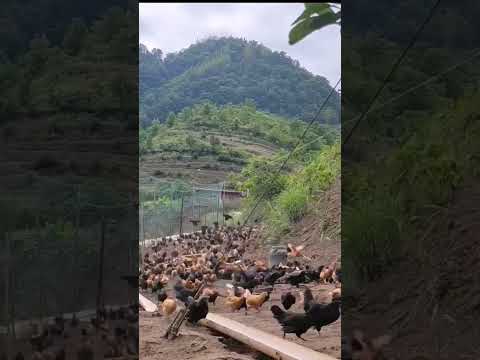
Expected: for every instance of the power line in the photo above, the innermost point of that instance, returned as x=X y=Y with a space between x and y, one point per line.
x=392 y=70
x=472 y=57
x=293 y=149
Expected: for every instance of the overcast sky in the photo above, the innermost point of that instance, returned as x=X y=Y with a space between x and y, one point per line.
x=174 y=26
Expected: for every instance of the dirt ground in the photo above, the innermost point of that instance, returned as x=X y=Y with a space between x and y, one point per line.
x=196 y=342
x=320 y=233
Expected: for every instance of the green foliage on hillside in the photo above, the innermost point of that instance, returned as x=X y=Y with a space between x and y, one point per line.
x=230 y=70
x=403 y=164
x=290 y=195
x=50 y=77
x=197 y=130
x=21 y=21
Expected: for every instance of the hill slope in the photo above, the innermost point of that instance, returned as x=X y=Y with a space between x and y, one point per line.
x=230 y=70
x=205 y=143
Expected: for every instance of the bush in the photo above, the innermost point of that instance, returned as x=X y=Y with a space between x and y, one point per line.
x=293 y=202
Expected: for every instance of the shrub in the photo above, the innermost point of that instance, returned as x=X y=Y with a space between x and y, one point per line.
x=293 y=202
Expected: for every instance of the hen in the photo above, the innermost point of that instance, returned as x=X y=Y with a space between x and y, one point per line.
x=198 y=309
x=291 y=323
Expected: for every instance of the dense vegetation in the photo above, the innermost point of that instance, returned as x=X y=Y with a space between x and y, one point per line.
x=403 y=162
x=195 y=131
x=68 y=102
x=230 y=70
x=287 y=197
x=21 y=21
x=50 y=76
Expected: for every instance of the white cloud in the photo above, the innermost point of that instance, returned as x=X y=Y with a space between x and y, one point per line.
x=174 y=26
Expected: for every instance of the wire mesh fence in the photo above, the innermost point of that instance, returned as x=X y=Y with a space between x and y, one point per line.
x=68 y=259
x=172 y=210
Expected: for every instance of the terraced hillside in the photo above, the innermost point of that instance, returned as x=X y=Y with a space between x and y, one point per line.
x=205 y=143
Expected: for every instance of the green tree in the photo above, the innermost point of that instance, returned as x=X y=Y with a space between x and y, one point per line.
x=75 y=36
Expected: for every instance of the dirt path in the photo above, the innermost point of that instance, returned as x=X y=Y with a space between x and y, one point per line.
x=193 y=343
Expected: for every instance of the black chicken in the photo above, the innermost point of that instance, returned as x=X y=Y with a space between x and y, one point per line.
x=313 y=275
x=162 y=295
x=338 y=275
x=197 y=309
x=292 y=323
x=213 y=297
x=324 y=314
x=308 y=300
x=288 y=300
x=227 y=217
x=272 y=278
x=296 y=278
x=247 y=281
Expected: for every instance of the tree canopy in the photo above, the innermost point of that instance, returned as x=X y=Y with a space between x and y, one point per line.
x=230 y=70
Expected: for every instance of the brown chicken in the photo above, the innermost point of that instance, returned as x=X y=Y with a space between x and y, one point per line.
x=189 y=284
x=295 y=251
x=326 y=274
x=236 y=303
x=260 y=266
x=169 y=306
x=256 y=301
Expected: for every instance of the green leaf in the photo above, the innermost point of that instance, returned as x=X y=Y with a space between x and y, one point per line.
x=304 y=28
x=314 y=8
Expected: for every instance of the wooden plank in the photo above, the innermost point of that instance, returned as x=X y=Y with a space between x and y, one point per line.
x=271 y=345
x=147 y=304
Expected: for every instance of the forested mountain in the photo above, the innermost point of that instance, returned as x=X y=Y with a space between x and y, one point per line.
x=230 y=70
x=21 y=21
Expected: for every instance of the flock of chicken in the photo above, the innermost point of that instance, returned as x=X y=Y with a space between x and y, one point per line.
x=201 y=259
x=111 y=333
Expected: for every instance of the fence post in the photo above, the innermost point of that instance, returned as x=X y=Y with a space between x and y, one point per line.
x=223 y=207
x=74 y=274
x=100 y=265
x=7 y=293
x=181 y=216
x=142 y=235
